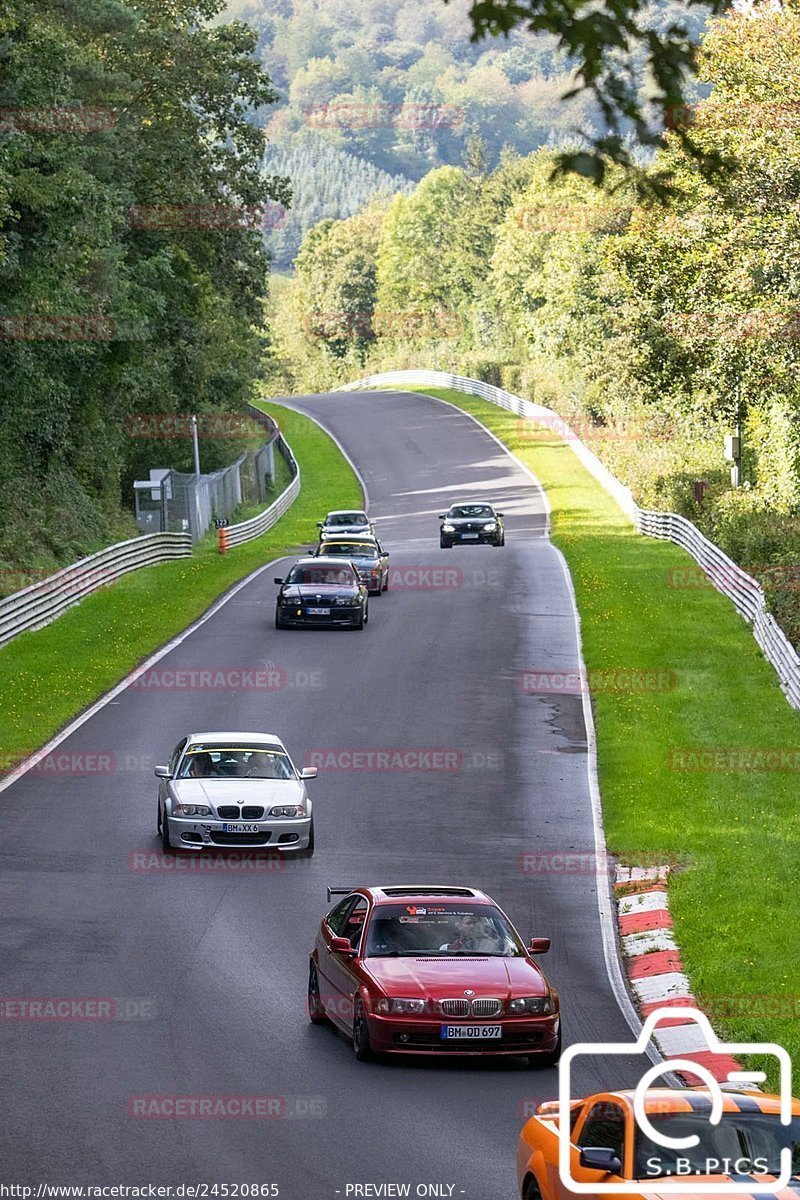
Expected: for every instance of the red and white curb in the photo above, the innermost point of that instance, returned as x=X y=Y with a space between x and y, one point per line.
x=655 y=971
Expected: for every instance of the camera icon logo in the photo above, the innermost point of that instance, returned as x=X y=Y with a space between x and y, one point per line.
x=677 y=1181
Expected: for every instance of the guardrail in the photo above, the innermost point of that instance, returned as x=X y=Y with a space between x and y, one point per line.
x=42 y=602
x=723 y=573
x=245 y=531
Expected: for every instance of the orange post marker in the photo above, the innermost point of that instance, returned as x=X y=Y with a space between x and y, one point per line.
x=222 y=537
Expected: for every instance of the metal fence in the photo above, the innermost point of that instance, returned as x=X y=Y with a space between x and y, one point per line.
x=42 y=602
x=723 y=574
x=189 y=503
x=245 y=531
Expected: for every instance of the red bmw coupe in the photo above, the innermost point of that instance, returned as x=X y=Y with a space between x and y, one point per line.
x=431 y=970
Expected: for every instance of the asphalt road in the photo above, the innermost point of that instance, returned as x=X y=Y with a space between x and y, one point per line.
x=210 y=968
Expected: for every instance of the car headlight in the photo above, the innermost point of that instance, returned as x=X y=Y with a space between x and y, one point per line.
x=447 y=528
x=400 y=1006
x=191 y=810
x=288 y=810
x=539 y=1006
x=345 y=600
x=489 y=526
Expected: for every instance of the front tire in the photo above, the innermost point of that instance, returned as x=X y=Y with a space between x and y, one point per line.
x=532 y=1189
x=278 y=623
x=361 y=1043
x=316 y=1013
x=445 y=545
x=166 y=845
x=309 y=850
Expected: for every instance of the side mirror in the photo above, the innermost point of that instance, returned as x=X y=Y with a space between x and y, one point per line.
x=309 y=773
x=442 y=516
x=342 y=946
x=499 y=514
x=601 y=1158
x=320 y=524
x=277 y=580
x=538 y=945
x=313 y=550
x=161 y=772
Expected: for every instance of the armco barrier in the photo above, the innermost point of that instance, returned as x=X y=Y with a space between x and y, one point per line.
x=722 y=572
x=42 y=602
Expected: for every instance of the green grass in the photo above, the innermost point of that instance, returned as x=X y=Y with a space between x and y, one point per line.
x=50 y=675
x=735 y=902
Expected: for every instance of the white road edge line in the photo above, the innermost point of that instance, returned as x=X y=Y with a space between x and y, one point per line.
x=36 y=757
x=28 y=763
x=605 y=901
x=282 y=404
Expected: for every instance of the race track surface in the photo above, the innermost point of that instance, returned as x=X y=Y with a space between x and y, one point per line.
x=213 y=965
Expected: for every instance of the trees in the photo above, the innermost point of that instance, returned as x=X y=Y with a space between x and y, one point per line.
x=143 y=105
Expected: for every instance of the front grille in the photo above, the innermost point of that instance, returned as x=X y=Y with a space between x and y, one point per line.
x=252 y=812
x=487 y=1007
x=455 y=1008
x=239 y=839
x=484 y=1006
x=228 y=812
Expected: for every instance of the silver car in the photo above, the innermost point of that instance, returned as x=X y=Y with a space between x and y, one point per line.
x=344 y=521
x=234 y=789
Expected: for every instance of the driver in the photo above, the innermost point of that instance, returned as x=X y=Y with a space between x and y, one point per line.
x=202 y=766
x=465 y=932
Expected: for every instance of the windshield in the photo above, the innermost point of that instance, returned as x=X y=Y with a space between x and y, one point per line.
x=347 y=518
x=443 y=930
x=321 y=575
x=747 y=1143
x=205 y=761
x=349 y=549
x=471 y=510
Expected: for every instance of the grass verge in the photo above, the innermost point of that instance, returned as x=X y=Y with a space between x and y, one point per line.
x=52 y=674
x=735 y=904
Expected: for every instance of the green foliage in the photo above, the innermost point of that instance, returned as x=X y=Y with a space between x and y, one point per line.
x=178 y=306
x=715 y=824
x=651 y=329
x=49 y=675
x=327 y=183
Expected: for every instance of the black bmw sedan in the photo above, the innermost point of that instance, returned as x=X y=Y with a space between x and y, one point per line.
x=471 y=524
x=326 y=593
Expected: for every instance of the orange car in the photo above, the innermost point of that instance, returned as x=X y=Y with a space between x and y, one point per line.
x=607 y=1147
